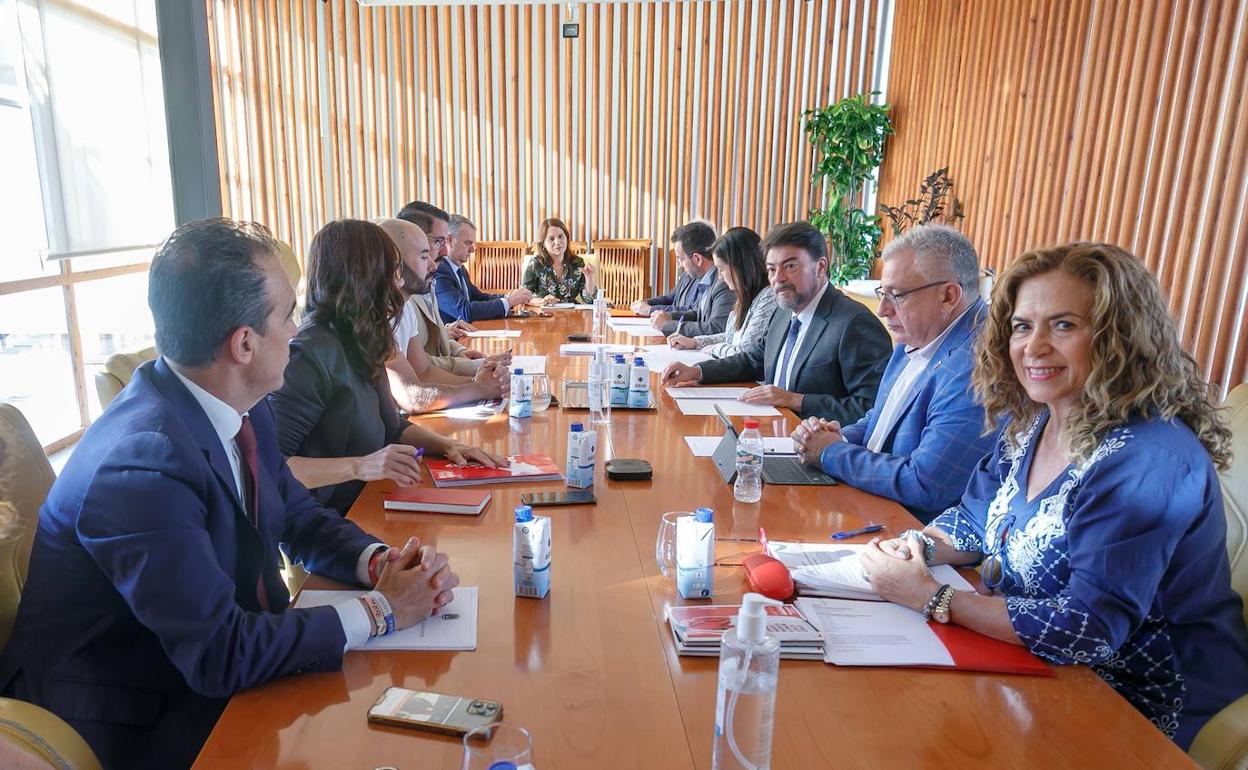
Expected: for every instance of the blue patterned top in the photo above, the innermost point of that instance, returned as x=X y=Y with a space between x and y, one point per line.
x=1119 y=564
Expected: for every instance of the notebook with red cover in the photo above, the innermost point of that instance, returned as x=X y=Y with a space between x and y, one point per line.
x=426 y=500
x=973 y=651
x=534 y=467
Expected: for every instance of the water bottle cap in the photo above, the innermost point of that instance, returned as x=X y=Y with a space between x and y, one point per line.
x=751 y=422
x=619 y=358
x=503 y=764
x=704 y=515
x=577 y=427
x=639 y=361
x=518 y=371
x=524 y=513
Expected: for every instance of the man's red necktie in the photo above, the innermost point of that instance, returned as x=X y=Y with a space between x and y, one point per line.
x=246 y=440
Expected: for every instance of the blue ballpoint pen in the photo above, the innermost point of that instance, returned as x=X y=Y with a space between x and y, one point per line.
x=860 y=531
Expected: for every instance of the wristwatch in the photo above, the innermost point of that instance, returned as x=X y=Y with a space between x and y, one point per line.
x=929 y=545
x=938 y=606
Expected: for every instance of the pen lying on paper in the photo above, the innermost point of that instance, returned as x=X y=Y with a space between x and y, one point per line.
x=856 y=532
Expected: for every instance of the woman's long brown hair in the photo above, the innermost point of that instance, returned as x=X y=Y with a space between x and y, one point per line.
x=352 y=289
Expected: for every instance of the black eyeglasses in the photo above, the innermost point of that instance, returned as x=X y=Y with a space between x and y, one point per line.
x=896 y=297
x=993 y=570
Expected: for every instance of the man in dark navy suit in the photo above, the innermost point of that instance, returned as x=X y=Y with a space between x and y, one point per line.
x=153 y=593
x=459 y=299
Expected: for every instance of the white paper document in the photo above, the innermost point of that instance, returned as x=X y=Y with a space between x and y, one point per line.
x=589 y=348
x=707 y=392
x=453 y=628
x=706 y=406
x=704 y=446
x=562 y=305
x=495 y=333
x=833 y=569
x=659 y=356
x=616 y=322
x=530 y=364
x=874 y=634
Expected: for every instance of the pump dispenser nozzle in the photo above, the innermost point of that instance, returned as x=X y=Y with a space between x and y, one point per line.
x=752 y=618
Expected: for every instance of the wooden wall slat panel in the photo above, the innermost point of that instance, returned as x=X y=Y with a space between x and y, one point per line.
x=660 y=112
x=1082 y=119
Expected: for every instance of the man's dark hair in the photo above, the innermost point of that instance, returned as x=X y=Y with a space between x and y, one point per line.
x=803 y=235
x=422 y=215
x=695 y=237
x=205 y=281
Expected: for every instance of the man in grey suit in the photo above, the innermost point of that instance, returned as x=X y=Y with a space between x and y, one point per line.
x=711 y=298
x=692 y=245
x=825 y=353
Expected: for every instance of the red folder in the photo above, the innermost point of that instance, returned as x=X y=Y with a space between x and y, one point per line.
x=973 y=651
x=534 y=467
x=426 y=500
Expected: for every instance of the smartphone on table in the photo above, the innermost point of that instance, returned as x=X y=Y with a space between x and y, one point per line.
x=433 y=711
x=570 y=497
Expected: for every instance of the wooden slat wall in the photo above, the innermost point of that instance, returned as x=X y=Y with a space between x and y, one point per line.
x=1076 y=119
x=661 y=112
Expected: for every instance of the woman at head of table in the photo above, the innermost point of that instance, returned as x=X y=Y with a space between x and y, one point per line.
x=1098 y=517
x=555 y=274
x=336 y=420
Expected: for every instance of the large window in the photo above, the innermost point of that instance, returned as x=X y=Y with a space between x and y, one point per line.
x=84 y=196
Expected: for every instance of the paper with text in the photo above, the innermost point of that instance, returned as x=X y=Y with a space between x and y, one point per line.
x=453 y=628
x=874 y=634
x=706 y=406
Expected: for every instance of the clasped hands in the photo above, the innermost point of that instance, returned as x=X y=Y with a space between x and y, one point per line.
x=417 y=581
x=896 y=571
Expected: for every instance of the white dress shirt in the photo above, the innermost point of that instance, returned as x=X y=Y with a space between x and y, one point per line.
x=917 y=361
x=226 y=422
x=806 y=316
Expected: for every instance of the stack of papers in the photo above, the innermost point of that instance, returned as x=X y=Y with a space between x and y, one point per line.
x=530 y=364
x=705 y=407
x=495 y=333
x=637 y=327
x=699 y=629
x=657 y=357
x=827 y=569
x=718 y=394
x=454 y=628
x=590 y=348
x=482 y=410
x=885 y=634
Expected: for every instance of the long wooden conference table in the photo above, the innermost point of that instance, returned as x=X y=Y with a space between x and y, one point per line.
x=591 y=671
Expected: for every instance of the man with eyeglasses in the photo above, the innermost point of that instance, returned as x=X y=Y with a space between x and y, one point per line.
x=824 y=353
x=920 y=442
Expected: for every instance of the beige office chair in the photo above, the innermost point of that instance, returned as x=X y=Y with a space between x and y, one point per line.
x=44 y=736
x=25 y=478
x=1222 y=744
x=117 y=371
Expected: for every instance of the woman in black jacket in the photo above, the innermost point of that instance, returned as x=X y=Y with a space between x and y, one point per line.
x=337 y=422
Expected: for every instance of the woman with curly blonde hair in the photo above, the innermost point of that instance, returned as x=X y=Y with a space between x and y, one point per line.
x=1098 y=517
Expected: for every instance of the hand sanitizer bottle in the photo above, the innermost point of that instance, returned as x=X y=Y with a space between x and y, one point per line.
x=600 y=389
x=745 y=704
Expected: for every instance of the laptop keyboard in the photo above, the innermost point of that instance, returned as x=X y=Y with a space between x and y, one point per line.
x=790 y=470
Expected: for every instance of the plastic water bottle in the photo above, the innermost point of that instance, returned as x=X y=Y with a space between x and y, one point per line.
x=619 y=381
x=600 y=389
x=599 y=327
x=639 y=384
x=745 y=704
x=748 y=487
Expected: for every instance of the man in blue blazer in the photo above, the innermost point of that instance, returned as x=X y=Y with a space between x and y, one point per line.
x=920 y=442
x=153 y=592
x=458 y=298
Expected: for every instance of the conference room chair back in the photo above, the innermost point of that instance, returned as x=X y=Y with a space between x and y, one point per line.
x=117 y=371
x=623 y=269
x=497 y=266
x=1222 y=744
x=44 y=735
x=25 y=478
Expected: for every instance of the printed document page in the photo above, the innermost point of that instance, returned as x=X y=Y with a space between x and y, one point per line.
x=706 y=407
x=453 y=628
x=833 y=569
x=874 y=634
x=718 y=393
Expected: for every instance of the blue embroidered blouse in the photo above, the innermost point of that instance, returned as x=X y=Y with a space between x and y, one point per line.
x=1119 y=564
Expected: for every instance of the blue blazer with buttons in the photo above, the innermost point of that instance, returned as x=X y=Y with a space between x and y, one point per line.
x=928 y=456
x=140 y=614
x=454 y=304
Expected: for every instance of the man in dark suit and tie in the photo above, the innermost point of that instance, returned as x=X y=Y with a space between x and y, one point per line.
x=153 y=593
x=691 y=244
x=710 y=298
x=458 y=298
x=824 y=354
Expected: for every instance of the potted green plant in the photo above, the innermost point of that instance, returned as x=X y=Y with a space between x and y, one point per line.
x=848 y=138
x=935 y=194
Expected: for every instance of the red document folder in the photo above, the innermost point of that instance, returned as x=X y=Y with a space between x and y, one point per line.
x=972 y=651
x=535 y=467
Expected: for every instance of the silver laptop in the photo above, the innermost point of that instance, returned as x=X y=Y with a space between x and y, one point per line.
x=788 y=470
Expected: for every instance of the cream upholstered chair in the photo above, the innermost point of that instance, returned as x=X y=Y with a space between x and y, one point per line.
x=116 y=373
x=25 y=478
x=45 y=736
x=1223 y=742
